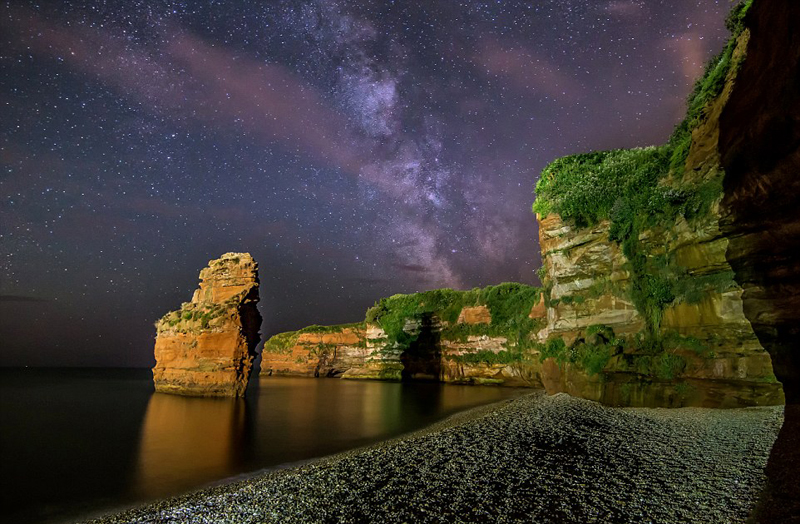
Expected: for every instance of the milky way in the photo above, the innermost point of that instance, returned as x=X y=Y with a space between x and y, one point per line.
x=356 y=149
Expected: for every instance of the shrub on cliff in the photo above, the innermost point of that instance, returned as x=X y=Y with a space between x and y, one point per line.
x=585 y=188
x=283 y=342
x=630 y=188
x=509 y=304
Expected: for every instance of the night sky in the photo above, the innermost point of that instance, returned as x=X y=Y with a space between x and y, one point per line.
x=356 y=148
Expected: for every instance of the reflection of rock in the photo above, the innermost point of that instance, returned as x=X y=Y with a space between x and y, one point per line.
x=207 y=347
x=186 y=441
x=315 y=410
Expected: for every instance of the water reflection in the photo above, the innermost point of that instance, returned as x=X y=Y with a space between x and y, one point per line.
x=68 y=439
x=306 y=418
x=79 y=442
x=185 y=440
x=188 y=442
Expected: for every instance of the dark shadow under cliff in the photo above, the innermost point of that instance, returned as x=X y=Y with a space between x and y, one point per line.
x=423 y=358
x=759 y=144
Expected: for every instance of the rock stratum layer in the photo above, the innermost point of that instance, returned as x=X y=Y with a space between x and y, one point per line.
x=482 y=336
x=637 y=245
x=207 y=347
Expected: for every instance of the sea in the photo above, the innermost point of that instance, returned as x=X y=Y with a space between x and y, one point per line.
x=79 y=443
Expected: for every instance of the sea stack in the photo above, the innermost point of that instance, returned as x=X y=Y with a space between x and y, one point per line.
x=207 y=347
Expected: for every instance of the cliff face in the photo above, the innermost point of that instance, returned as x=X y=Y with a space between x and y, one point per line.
x=442 y=335
x=711 y=355
x=651 y=263
x=758 y=144
x=316 y=351
x=207 y=347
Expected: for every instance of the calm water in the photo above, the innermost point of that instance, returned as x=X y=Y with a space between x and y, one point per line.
x=77 y=442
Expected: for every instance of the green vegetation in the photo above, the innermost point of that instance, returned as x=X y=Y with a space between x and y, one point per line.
x=684 y=389
x=283 y=342
x=336 y=328
x=554 y=348
x=674 y=341
x=509 y=305
x=586 y=187
x=667 y=365
x=707 y=88
x=194 y=317
x=692 y=289
x=591 y=353
x=490 y=357
x=636 y=191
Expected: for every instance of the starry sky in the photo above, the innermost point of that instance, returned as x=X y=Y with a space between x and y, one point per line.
x=356 y=148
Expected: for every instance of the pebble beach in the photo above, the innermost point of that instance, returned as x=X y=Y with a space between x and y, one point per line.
x=536 y=458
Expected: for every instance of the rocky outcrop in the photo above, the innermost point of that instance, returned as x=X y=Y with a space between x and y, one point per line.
x=587 y=276
x=442 y=335
x=713 y=357
x=207 y=347
x=758 y=146
x=475 y=315
x=316 y=351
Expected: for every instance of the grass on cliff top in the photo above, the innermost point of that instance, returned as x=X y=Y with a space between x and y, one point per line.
x=624 y=187
x=587 y=188
x=283 y=342
x=509 y=304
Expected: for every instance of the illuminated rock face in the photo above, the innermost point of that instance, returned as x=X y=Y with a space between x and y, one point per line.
x=207 y=347
x=722 y=362
x=360 y=351
x=317 y=354
x=739 y=321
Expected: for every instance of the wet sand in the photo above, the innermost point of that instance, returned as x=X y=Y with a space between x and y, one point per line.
x=533 y=459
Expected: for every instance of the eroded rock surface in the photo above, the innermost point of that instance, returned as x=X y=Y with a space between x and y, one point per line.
x=727 y=269
x=718 y=360
x=207 y=347
x=466 y=349
x=324 y=352
x=759 y=146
